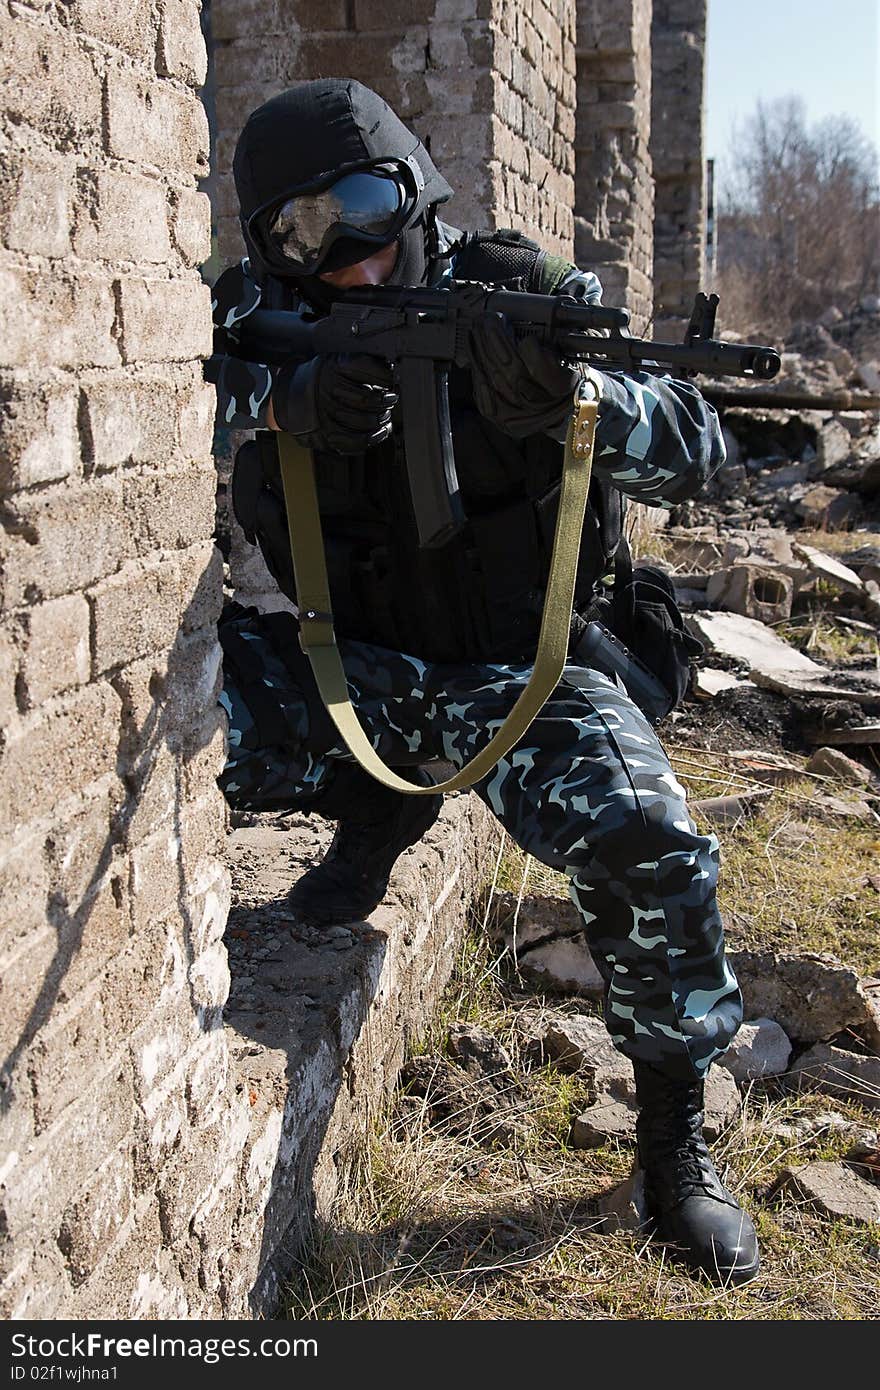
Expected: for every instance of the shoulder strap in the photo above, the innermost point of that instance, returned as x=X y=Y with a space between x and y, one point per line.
x=316 y=618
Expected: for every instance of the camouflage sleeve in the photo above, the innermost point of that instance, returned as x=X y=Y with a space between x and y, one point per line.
x=659 y=441
x=243 y=388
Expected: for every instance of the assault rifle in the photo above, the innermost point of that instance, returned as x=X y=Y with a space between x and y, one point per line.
x=423 y=332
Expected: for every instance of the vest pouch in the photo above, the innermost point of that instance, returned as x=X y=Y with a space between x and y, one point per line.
x=643 y=613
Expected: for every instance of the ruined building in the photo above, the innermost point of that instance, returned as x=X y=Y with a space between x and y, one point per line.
x=155 y=1161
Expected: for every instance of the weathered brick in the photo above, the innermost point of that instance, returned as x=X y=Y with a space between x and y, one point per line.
x=58 y=543
x=58 y=751
x=155 y=123
x=94 y=1219
x=165 y=320
x=181 y=51
x=24 y=887
x=134 y=612
x=10 y=657
x=210 y=901
x=50 y=321
x=196 y=421
x=204 y=765
x=229 y=18
x=209 y=978
x=91 y=935
x=170 y=510
x=201 y=586
x=263 y=63
x=57 y=652
x=39 y=440
x=49 y=83
x=172 y=695
x=35 y=1283
x=67 y=1052
x=156 y=786
x=35 y=206
x=157 y=887
x=79 y=849
x=191 y=227
x=396 y=15
x=64 y=1157
x=130 y=420
x=148 y=976
x=122 y=217
x=26 y=994
x=129 y=26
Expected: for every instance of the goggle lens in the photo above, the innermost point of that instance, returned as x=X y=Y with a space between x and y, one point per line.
x=368 y=202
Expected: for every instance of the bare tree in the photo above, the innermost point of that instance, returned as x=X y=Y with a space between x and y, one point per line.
x=799 y=223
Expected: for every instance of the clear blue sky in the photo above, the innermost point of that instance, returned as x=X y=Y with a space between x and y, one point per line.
x=827 y=51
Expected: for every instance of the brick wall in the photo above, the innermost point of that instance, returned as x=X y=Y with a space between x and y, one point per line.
x=113 y=975
x=678 y=38
x=614 y=208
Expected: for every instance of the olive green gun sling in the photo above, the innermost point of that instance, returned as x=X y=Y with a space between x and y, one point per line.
x=316 y=618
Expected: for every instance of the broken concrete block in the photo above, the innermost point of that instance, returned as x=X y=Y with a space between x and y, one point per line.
x=735 y=548
x=831 y=808
x=869 y=374
x=771 y=768
x=730 y=810
x=854 y=734
x=827 y=567
x=772 y=545
x=546 y=938
x=811 y=996
x=583 y=1044
x=834 y=1190
x=607 y=1118
x=833 y=443
x=836 y=1072
x=760 y=1048
x=748 y=641
x=756 y=590
x=707 y=682
x=828 y=507
x=820 y=685
x=830 y=762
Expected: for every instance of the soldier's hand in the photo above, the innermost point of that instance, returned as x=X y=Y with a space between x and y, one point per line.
x=520 y=385
x=339 y=402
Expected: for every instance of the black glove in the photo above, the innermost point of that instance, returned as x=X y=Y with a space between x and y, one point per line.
x=339 y=402
x=519 y=384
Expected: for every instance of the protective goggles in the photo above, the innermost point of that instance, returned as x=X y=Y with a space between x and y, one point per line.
x=300 y=233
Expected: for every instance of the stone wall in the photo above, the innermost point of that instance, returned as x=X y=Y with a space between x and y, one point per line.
x=614 y=207
x=114 y=899
x=678 y=41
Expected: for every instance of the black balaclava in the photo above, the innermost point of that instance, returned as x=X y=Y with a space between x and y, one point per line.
x=312 y=129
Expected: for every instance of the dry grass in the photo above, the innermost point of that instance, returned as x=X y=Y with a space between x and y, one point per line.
x=427 y=1226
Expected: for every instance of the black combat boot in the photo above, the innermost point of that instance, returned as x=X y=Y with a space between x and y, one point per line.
x=686 y=1200
x=375 y=826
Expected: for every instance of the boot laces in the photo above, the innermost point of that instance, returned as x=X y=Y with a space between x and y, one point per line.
x=673 y=1136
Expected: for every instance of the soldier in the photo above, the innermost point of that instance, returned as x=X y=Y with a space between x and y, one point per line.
x=335 y=192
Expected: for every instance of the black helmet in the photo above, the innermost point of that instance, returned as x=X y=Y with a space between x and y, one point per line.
x=326 y=172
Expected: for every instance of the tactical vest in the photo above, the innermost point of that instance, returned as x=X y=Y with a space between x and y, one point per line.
x=479 y=597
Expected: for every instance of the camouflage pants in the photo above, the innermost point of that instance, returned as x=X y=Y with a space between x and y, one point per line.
x=588 y=791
